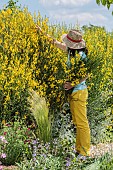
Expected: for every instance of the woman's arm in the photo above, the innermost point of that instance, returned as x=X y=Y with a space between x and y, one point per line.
x=83 y=79
x=68 y=85
x=58 y=44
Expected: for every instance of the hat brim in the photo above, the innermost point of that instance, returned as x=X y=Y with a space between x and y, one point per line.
x=71 y=44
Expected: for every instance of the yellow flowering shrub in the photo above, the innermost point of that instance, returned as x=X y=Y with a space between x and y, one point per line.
x=100 y=53
x=28 y=61
x=99 y=44
x=77 y=71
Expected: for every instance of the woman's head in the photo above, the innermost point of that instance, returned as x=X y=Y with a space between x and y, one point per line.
x=74 y=40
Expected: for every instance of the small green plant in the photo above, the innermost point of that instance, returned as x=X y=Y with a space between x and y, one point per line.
x=106 y=162
x=3 y=143
x=16 y=139
x=39 y=110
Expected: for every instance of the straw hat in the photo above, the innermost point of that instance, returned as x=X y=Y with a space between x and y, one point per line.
x=74 y=39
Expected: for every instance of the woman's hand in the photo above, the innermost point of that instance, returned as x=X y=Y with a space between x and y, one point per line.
x=67 y=86
x=52 y=40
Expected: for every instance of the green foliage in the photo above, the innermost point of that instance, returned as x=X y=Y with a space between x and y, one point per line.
x=12 y=4
x=59 y=154
x=100 y=119
x=51 y=163
x=107 y=3
x=40 y=111
x=55 y=154
x=16 y=105
x=106 y=162
x=18 y=137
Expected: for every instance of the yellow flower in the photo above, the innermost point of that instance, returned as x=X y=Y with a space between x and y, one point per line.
x=3 y=122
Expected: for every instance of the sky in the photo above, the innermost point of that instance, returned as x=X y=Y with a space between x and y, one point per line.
x=81 y=12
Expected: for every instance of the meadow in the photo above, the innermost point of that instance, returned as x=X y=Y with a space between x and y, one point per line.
x=36 y=130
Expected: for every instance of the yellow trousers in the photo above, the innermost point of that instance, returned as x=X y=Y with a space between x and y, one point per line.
x=79 y=116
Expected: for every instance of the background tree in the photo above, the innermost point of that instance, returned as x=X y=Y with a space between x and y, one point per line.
x=107 y=3
x=12 y=4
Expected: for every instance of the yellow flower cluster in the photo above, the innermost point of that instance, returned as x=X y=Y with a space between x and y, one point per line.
x=77 y=71
x=100 y=52
x=29 y=61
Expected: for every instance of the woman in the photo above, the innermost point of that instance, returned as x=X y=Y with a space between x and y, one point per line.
x=73 y=43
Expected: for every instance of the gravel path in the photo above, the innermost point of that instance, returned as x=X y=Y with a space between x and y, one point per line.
x=101 y=149
x=9 y=168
